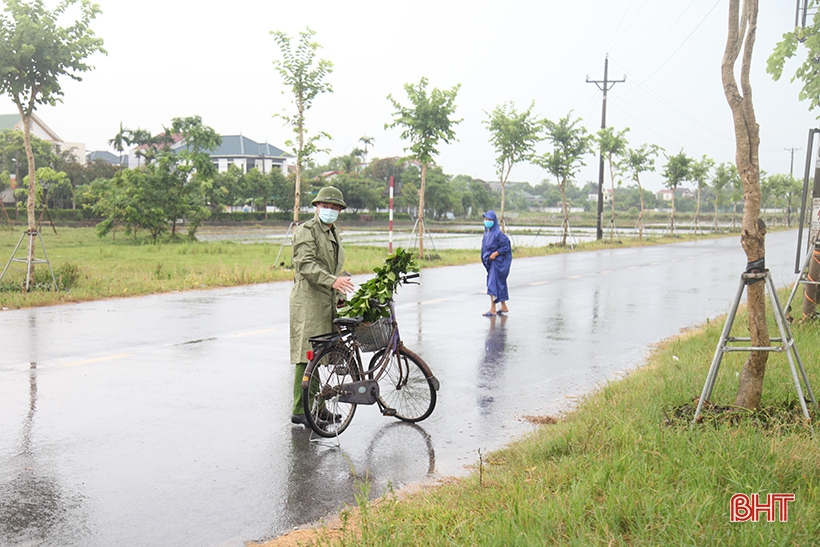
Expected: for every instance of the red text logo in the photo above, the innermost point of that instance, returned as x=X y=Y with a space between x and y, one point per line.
x=743 y=508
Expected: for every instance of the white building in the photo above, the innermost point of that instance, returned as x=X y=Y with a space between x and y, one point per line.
x=40 y=130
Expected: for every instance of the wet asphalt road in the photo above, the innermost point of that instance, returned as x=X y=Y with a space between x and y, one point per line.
x=163 y=420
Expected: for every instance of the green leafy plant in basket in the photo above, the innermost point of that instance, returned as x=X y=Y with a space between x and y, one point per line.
x=380 y=288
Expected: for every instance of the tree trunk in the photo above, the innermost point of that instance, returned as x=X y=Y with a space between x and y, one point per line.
x=300 y=137
x=503 y=199
x=565 y=224
x=612 y=201
x=672 y=216
x=640 y=213
x=32 y=197
x=505 y=175
x=421 y=209
x=742 y=31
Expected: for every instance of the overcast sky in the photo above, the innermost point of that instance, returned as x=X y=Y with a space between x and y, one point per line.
x=173 y=58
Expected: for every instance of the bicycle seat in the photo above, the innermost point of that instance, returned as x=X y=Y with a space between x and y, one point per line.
x=348 y=321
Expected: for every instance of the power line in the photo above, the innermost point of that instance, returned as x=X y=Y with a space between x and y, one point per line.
x=685 y=40
x=660 y=99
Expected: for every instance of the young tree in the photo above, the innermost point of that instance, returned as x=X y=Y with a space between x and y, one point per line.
x=119 y=141
x=612 y=145
x=790 y=189
x=784 y=190
x=741 y=37
x=723 y=179
x=678 y=170
x=305 y=75
x=514 y=136
x=366 y=141
x=700 y=173
x=35 y=53
x=637 y=161
x=175 y=184
x=570 y=143
x=426 y=122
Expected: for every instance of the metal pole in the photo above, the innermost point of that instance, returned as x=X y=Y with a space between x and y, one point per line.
x=803 y=199
x=604 y=88
x=599 y=232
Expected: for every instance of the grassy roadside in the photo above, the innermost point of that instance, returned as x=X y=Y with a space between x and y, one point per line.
x=89 y=268
x=625 y=469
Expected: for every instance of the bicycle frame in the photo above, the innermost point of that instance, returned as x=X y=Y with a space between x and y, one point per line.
x=392 y=346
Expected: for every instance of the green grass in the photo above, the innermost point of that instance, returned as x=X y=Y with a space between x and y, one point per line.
x=626 y=469
x=90 y=268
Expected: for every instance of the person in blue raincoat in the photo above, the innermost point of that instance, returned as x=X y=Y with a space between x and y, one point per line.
x=496 y=255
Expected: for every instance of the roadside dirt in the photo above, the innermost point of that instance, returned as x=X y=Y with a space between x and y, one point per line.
x=333 y=527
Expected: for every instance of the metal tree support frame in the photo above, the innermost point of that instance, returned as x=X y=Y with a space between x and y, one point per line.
x=288 y=234
x=29 y=262
x=414 y=234
x=785 y=341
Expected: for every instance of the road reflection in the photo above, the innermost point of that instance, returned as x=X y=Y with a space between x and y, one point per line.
x=322 y=476
x=33 y=508
x=491 y=368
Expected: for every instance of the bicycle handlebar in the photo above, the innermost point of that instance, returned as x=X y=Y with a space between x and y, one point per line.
x=405 y=277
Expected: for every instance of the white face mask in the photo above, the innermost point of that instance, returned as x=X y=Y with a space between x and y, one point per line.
x=328 y=216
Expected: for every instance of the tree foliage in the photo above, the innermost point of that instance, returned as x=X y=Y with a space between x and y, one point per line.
x=613 y=146
x=514 y=135
x=570 y=144
x=678 y=170
x=634 y=162
x=174 y=185
x=426 y=122
x=36 y=52
x=305 y=76
x=807 y=38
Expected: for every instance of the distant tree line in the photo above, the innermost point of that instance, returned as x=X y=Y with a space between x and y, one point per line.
x=182 y=184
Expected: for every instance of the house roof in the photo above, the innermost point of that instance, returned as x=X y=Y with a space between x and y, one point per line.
x=238 y=145
x=9 y=121
x=13 y=121
x=105 y=156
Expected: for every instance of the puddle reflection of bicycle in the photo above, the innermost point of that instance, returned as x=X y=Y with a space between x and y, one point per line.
x=400 y=453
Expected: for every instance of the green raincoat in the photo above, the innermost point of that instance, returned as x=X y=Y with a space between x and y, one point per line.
x=318 y=258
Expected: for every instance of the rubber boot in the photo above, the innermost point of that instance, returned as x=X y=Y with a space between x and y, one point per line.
x=298 y=407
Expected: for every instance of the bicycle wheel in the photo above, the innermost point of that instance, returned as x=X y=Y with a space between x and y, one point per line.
x=407 y=385
x=330 y=368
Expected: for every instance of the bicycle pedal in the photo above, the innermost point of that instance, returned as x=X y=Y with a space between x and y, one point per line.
x=388 y=412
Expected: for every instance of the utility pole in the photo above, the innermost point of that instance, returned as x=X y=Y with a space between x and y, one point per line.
x=791 y=164
x=604 y=85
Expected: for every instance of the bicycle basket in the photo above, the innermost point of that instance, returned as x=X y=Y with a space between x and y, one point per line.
x=374 y=336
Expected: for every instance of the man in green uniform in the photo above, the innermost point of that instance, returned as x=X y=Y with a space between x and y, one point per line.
x=318 y=285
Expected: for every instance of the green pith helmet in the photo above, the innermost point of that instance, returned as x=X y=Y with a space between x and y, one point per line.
x=330 y=194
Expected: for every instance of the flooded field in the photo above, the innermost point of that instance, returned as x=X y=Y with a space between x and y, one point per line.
x=456 y=237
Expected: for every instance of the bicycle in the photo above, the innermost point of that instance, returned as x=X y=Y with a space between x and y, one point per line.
x=335 y=383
